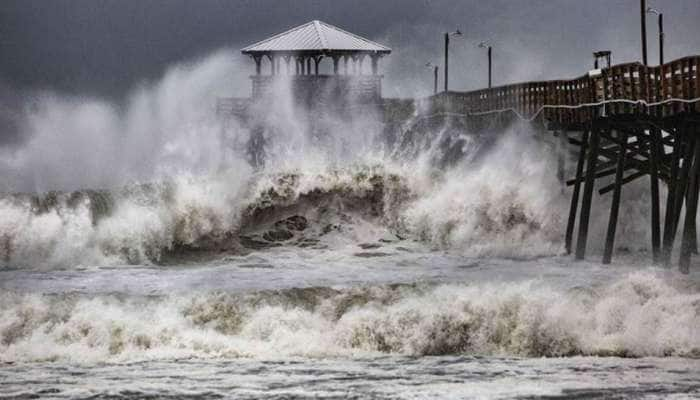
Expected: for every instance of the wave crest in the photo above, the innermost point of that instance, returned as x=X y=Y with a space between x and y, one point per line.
x=187 y=217
x=642 y=314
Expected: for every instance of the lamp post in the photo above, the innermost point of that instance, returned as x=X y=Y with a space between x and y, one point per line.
x=447 y=46
x=435 y=69
x=643 y=7
x=661 y=32
x=486 y=45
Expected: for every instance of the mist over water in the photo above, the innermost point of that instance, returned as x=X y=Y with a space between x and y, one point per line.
x=161 y=129
x=142 y=232
x=121 y=183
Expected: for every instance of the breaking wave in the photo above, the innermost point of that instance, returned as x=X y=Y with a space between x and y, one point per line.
x=159 y=223
x=477 y=207
x=642 y=314
x=494 y=192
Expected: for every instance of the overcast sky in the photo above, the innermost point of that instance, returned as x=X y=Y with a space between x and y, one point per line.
x=105 y=47
x=81 y=78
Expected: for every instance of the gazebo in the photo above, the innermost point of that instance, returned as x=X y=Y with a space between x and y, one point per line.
x=303 y=48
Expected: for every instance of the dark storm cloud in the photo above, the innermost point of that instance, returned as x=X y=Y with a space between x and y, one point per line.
x=11 y=111
x=105 y=47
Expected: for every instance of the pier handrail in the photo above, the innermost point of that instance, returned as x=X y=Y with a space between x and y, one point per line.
x=623 y=88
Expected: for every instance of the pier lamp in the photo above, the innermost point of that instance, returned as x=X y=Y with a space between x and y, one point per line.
x=643 y=9
x=486 y=45
x=447 y=46
x=598 y=56
x=435 y=69
x=661 y=32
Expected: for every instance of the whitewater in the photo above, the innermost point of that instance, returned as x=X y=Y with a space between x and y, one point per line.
x=142 y=254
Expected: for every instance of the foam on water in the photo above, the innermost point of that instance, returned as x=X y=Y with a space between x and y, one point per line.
x=378 y=218
x=161 y=174
x=640 y=314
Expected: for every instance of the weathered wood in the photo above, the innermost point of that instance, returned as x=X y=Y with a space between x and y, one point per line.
x=669 y=220
x=691 y=211
x=681 y=193
x=615 y=206
x=649 y=130
x=655 y=153
x=574 y=196
x=615 y=83
x=561 y=155
x=588 y=192
x=630 y=178
x=693 y=238
x=602 y=170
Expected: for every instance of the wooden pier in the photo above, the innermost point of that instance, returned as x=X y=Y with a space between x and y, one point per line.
x=629 y=121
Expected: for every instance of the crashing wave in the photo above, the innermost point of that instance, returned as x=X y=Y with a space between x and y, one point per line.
x=187 y=217
x=642 y=314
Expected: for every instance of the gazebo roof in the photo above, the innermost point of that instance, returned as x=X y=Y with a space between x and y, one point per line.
x=316 y=36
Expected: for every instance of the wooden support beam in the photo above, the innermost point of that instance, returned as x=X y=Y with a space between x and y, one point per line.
x=561 y=149
x=655 y=153
x=615 y=206
x=638 y=148
x=681 y=192
x=694 y=234
x=694 y=237
x=625 y=181
x=574 y=197
x=633 y=150
x=576 y=142
x=669 y=219
x=588 y=192
x=258 y=63
x=608 y=171
x=691 y=211
x=599 y=174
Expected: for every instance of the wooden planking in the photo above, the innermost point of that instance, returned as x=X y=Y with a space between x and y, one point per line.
x=632 y=81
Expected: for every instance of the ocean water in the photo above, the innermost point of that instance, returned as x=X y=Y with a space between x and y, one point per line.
x=348 y=265
x=336 y=324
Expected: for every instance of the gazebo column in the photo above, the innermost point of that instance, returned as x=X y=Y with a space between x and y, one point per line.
x=375 y=63
x=272 y=63
x=345 y=64
x=317 y=60
x=286 y=60
x=335 y=64
x=258 y=62
x=361 y=61
x=308 y=65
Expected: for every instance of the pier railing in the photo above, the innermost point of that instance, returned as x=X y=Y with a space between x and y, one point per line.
x=623 y=89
